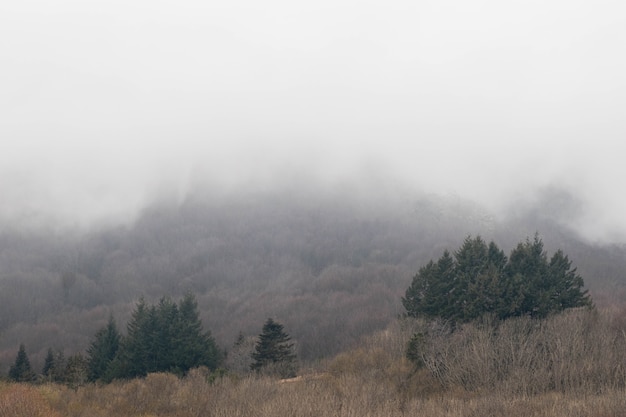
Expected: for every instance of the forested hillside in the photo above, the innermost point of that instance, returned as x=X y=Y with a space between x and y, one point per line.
x=331 y=266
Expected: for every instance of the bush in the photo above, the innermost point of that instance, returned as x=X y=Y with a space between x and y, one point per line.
x=577 y=351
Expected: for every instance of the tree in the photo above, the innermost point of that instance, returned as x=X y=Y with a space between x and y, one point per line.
x=430 y=292
x=48 y=364
x=567 y=286
x=166 y=337
x=539 y=287
x=273 y=351
x=54 y=366
x=102 y=351
x=193 y=346
x=239 y=357
x=414 y=349
x=76 y=371
x=21 y=371
x=133 y=356
x=480 y=280
x=527 y=269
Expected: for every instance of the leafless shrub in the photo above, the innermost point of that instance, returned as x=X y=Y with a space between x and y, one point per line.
x=575 y=351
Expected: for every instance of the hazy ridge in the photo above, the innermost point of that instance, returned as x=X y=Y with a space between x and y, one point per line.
x=330 y=264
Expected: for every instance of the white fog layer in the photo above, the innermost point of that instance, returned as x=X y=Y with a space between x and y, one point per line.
x=106 y=106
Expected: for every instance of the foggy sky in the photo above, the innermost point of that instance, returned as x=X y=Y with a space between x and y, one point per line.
x=105 y=105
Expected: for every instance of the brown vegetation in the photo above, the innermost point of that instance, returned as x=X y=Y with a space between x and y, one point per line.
x=578 y=351
x=568 y=365
x=21 y=400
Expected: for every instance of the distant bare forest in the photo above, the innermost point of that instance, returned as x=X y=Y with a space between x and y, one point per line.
x=332 y=267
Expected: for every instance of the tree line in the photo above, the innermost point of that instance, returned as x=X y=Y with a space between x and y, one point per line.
x=476 y=280
x=163 y=337
x=480 y=279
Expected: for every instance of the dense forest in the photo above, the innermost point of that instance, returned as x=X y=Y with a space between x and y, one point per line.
x=332 y=266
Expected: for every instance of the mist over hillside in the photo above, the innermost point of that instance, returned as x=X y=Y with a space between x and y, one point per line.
x=330 y=263
x=299 y=160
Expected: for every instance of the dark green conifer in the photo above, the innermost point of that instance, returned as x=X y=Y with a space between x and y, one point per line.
x=164 y=338
x=76 y=371
x=48 y=364
x=274 y=350
x=102 y=351
x=482 y=280
x=21 y=371
x=193 y=346
x=54 y=366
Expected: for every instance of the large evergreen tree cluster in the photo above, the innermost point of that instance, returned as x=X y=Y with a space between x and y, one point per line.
x=166 y=337
x=479 y=279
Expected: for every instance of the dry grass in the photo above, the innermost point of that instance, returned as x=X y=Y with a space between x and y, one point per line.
x=345 y=395
x=20 y=400
x=376 y=380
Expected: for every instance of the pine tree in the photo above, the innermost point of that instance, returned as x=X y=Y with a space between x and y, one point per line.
x=239 y=359
x=528 y=268
x=566 y=286
x=102 y=351
x=164 y=338
x=471 y=276
x=482 y=280
x=48 y=365
x=417 y=299
x=54 y=366
x=193 y=346
x=76 y=371
x=131 y=359
x=431 y=293
x=274 y=351
x=21 y=371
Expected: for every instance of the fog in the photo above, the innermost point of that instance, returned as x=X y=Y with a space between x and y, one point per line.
x=106 y=106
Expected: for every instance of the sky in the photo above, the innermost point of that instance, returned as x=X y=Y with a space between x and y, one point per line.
x=105 y=105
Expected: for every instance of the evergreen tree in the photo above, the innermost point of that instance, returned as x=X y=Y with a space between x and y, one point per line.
x=131 y=358
x=241 y=339
x=473 y=278
x=54 y=366
x=21 y=371
x=193 y=347
x=528 y=268
x=566 y=290
x=418 y=296
x=48 y=365
x=480 y=280
x=164 y=338
x=483 y=294
x=102 y=351
x=431 y=291
x=239 y=358
x=414 y=349
x=76 y=371
x=274 y=351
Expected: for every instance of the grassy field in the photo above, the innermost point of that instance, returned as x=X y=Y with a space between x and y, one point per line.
x=346 y=395
x=485 y=371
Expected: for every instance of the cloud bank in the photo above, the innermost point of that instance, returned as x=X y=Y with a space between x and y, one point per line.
x=106 y=105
